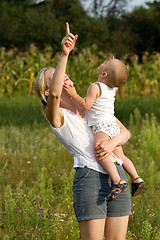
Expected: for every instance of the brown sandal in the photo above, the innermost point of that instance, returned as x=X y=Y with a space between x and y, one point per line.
x=117 y=189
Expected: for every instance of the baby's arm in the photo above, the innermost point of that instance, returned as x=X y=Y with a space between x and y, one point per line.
x=116 y=89
x=87 y=102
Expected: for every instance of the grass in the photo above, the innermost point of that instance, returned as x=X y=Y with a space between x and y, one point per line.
x=36 y=171
x=146 y=105
x=19 y=111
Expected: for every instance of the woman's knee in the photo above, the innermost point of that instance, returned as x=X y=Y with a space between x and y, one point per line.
x=116 y=228
x=92 y=229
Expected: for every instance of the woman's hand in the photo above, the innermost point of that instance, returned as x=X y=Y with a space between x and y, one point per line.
x=105 y=148
x=68 y=42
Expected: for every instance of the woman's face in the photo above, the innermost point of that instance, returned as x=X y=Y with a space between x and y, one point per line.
x=48 y=74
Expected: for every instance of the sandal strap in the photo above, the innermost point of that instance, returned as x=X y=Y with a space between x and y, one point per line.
x=119 y=185
x=116 y=190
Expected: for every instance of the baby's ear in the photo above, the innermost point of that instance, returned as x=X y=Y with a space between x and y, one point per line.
x=104 y=75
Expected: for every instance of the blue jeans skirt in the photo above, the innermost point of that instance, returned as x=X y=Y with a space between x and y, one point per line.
x=90 y=191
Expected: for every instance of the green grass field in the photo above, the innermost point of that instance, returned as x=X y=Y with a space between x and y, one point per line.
x=36 y=171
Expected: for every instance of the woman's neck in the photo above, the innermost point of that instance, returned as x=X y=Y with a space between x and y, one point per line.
x=68 y=103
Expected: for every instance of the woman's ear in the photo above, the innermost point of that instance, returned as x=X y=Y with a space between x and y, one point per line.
x=47 y=92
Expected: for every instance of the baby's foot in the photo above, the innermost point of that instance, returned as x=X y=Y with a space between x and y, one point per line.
x=137 y=186
x=117 y=189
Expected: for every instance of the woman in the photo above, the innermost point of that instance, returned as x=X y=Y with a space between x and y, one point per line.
x=94 y=213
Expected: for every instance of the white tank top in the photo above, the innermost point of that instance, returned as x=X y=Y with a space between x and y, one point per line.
x=103 y=107
x=77 y=137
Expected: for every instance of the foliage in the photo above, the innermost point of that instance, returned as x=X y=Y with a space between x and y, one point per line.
x=42 y=24
x=19 y=70
x=109 y=26
x=145 y=25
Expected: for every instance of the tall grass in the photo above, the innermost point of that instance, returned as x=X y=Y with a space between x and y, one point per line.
x=18 y=71
x=144 y=149
x=124 y=107
x=36 y=173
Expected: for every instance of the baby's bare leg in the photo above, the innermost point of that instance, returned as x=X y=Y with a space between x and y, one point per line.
x=127 y=164
x=107 y=163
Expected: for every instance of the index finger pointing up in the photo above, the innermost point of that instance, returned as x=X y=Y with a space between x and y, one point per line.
x=67 y=28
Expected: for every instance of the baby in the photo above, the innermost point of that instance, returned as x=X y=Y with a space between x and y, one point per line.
x=99 y=103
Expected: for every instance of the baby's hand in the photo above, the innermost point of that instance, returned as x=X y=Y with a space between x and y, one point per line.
x=70 y=89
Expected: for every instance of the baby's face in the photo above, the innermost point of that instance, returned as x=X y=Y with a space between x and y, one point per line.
x=107 y=64
x=102 y=67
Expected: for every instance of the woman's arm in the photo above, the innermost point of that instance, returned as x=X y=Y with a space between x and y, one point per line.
x=53 y=111
x=125 y=134
x=105 y=148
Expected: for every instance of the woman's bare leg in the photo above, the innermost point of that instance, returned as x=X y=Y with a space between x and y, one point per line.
x=92 y=229
x=116 y=228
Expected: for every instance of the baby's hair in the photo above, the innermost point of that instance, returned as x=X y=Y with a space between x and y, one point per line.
x=117 y=73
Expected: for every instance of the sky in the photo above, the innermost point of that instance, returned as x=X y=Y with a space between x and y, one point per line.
x=133 y=3
x=130 y=3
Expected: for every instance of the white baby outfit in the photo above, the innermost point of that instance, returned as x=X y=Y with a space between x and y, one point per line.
x=101 y=115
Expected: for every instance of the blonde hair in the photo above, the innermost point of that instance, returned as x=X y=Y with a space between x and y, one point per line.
x=41 y=86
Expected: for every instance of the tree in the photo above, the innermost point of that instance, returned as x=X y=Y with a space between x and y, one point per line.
x=20 y=2
x=145 y=25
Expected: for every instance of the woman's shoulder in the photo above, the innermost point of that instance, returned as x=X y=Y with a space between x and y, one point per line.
x=69 y=118
x=55 y=122
x=71 y=124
